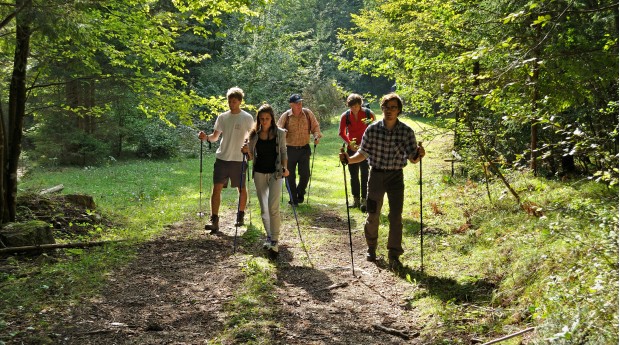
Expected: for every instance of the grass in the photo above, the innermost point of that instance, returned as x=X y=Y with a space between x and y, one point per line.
x=252 y=314
x=490 y=268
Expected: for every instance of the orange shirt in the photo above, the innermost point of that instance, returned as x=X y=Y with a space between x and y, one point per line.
x=298 y=133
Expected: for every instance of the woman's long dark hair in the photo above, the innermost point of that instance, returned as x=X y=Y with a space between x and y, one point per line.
x=265 y=108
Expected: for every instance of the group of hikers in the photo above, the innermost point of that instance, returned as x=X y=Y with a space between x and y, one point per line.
x=377 y=152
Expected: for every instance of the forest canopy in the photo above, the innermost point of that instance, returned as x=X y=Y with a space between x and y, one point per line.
x=525 y=84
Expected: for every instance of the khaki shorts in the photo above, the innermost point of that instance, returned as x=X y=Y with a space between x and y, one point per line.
x=229 y=170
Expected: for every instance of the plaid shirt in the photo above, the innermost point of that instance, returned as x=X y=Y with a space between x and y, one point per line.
x=387 y=149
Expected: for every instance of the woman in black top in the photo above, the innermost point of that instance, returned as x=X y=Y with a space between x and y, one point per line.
x=267 y=148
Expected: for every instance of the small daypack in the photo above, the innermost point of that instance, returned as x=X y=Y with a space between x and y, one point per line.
x=348 y=116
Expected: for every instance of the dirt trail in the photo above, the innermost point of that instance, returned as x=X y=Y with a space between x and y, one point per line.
x=177 y=289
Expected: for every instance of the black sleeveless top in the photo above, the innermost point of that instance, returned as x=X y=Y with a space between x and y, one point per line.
x=265 y=160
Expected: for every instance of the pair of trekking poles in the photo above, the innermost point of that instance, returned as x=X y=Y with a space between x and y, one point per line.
x=244 y=163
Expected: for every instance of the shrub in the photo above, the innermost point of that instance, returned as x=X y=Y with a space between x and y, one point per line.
x=158 y=141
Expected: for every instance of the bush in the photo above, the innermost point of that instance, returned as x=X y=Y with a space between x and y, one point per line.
x=158 y=141
x=325 y=100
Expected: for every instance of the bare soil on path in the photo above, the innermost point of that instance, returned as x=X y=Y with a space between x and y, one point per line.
x=177 y=290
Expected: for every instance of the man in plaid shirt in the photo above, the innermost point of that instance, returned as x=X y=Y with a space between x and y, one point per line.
x=388 y=145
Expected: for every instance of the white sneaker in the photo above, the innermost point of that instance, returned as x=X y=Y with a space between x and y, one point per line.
x=267 y=243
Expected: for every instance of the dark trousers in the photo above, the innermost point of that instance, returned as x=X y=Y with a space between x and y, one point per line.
x=298 y=162
x=392 y=184
x=354 y=171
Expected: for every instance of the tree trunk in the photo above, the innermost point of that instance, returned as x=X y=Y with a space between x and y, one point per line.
x=534 y=125
x=473 y=108
x=535 y=96
x=12 y=136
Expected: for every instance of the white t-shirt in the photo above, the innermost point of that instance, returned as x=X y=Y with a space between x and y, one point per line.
x=234 y=128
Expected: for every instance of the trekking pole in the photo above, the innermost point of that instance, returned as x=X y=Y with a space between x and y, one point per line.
x=421 y=222
x=303 y=244
x=311 y=168
x=346 y=196
x=243 y=163
x=200 y=213
x=249 y=195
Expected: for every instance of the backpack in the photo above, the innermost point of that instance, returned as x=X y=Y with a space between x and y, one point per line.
x=348 y=116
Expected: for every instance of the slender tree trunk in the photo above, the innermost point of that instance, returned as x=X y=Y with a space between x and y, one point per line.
x=534 y=125
x=535 y=97
x=473 y=108
x=16 y=111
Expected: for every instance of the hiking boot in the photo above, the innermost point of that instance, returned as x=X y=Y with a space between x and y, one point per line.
x=240 y=216
x=267 y=243
x=215 y=224
x=294 y=203
x=363 y=206
x=356 y=203
x=371 y=254
x=274 y=247
x=395 y=264
x=300 y=199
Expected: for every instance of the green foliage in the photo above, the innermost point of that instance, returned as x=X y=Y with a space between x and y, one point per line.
x=158 y=141
x=512 y=74
x=283 y=51
x=326 y=99
x=54 y=143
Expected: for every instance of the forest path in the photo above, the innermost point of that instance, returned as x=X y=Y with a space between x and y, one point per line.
x=182 y=285
x=177 y=290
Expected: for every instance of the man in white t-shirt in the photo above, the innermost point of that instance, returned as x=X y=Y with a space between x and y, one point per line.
x=234 y=126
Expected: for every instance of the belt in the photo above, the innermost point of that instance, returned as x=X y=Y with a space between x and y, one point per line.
x=297 y=147
x=385 y=170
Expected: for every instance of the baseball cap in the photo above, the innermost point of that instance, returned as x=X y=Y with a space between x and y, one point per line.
x=295 y=98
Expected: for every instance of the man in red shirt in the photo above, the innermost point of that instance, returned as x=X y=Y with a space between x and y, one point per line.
x=353 y=123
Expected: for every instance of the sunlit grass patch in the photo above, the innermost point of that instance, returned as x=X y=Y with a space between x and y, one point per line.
x=252 y=314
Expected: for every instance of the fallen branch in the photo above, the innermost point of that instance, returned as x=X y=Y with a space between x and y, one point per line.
x=11 y=250
x=392 y=331
x=54 y=189
x=495 y=341
x=334 y=286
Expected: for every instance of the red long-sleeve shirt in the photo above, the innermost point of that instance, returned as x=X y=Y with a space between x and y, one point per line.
x=355 y=127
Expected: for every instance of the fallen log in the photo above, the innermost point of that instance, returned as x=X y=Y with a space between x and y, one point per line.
x=42 y=247
x=54 y=189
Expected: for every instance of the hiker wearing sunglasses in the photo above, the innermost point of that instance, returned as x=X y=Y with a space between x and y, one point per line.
x=267 y=148
x=387 y=145
x=353 y=124
x=233 y=126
